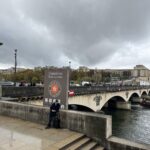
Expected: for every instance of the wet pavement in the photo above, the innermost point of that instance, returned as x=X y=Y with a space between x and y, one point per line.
x=16 y=134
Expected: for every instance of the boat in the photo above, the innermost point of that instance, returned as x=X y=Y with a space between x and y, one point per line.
x=146 y=103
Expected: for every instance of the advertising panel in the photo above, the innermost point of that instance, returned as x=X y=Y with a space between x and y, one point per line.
x=56 y=86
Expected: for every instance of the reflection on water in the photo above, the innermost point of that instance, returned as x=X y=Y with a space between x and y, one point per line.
x=131 y=124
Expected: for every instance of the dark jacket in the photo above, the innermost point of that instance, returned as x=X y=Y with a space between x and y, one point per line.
x=54 y=108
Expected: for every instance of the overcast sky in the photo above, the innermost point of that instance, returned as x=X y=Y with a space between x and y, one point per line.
x=93 y=33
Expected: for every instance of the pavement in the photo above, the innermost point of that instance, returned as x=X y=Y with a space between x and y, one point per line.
x=16 y=134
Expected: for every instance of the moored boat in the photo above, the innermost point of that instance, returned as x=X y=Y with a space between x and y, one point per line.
x=146 y=103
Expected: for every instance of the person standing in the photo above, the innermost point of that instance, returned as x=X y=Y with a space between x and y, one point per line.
x=54 y=115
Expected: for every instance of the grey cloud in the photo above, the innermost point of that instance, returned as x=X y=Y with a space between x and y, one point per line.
x=84 y=31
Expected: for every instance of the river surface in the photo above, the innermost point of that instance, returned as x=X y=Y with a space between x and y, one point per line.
x=132 y=124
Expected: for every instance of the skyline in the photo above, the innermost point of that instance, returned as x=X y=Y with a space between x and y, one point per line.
x=78 y=67
x=97 y=34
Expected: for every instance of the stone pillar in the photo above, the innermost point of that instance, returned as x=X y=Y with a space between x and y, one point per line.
x=0 y=91
x=136 y=100
x=123 y=105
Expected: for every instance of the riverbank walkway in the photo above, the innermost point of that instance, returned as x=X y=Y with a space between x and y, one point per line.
x=16 y=134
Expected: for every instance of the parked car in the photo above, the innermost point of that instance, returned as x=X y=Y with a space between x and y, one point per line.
x=71 y=93
x=6 y=83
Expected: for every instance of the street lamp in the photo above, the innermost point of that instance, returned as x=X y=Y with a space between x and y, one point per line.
x=15 y=66
x=70 y=64
x=1 y=43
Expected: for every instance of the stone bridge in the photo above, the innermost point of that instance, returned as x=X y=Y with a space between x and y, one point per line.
x=121 y=99
x=93 y=97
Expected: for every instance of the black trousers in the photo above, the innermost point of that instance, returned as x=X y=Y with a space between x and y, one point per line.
x=54 y=120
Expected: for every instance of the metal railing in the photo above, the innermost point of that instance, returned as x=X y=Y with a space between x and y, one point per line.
x=11 y=91
x=81 y=90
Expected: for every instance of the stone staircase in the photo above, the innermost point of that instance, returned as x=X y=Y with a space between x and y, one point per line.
x=78 y=142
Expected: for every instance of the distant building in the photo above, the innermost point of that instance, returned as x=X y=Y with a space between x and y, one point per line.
x=141 y=73
x=138 y=75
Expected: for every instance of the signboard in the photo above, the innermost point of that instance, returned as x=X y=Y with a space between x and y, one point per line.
x=56 y=86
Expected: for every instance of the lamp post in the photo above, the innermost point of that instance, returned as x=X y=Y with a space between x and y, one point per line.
x=70 y=68
x=15 y=69
x=70 y=64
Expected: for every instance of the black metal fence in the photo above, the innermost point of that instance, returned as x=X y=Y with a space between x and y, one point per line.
x=81 y=90
x=11 y=91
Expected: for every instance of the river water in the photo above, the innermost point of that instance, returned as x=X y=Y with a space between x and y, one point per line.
x=131 y=124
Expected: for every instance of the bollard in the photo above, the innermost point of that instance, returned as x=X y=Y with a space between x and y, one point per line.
x=0 y=91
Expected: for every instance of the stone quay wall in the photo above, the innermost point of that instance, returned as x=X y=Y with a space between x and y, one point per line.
x=115 y=143
x=96 y=126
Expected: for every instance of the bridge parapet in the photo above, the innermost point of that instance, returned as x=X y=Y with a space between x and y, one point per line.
x=82 y=90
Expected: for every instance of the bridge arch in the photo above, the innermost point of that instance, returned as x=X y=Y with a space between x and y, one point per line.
x=148 y=91
x=111 y=102
x=143 y=93
x=80 y=107
x=133 y=96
